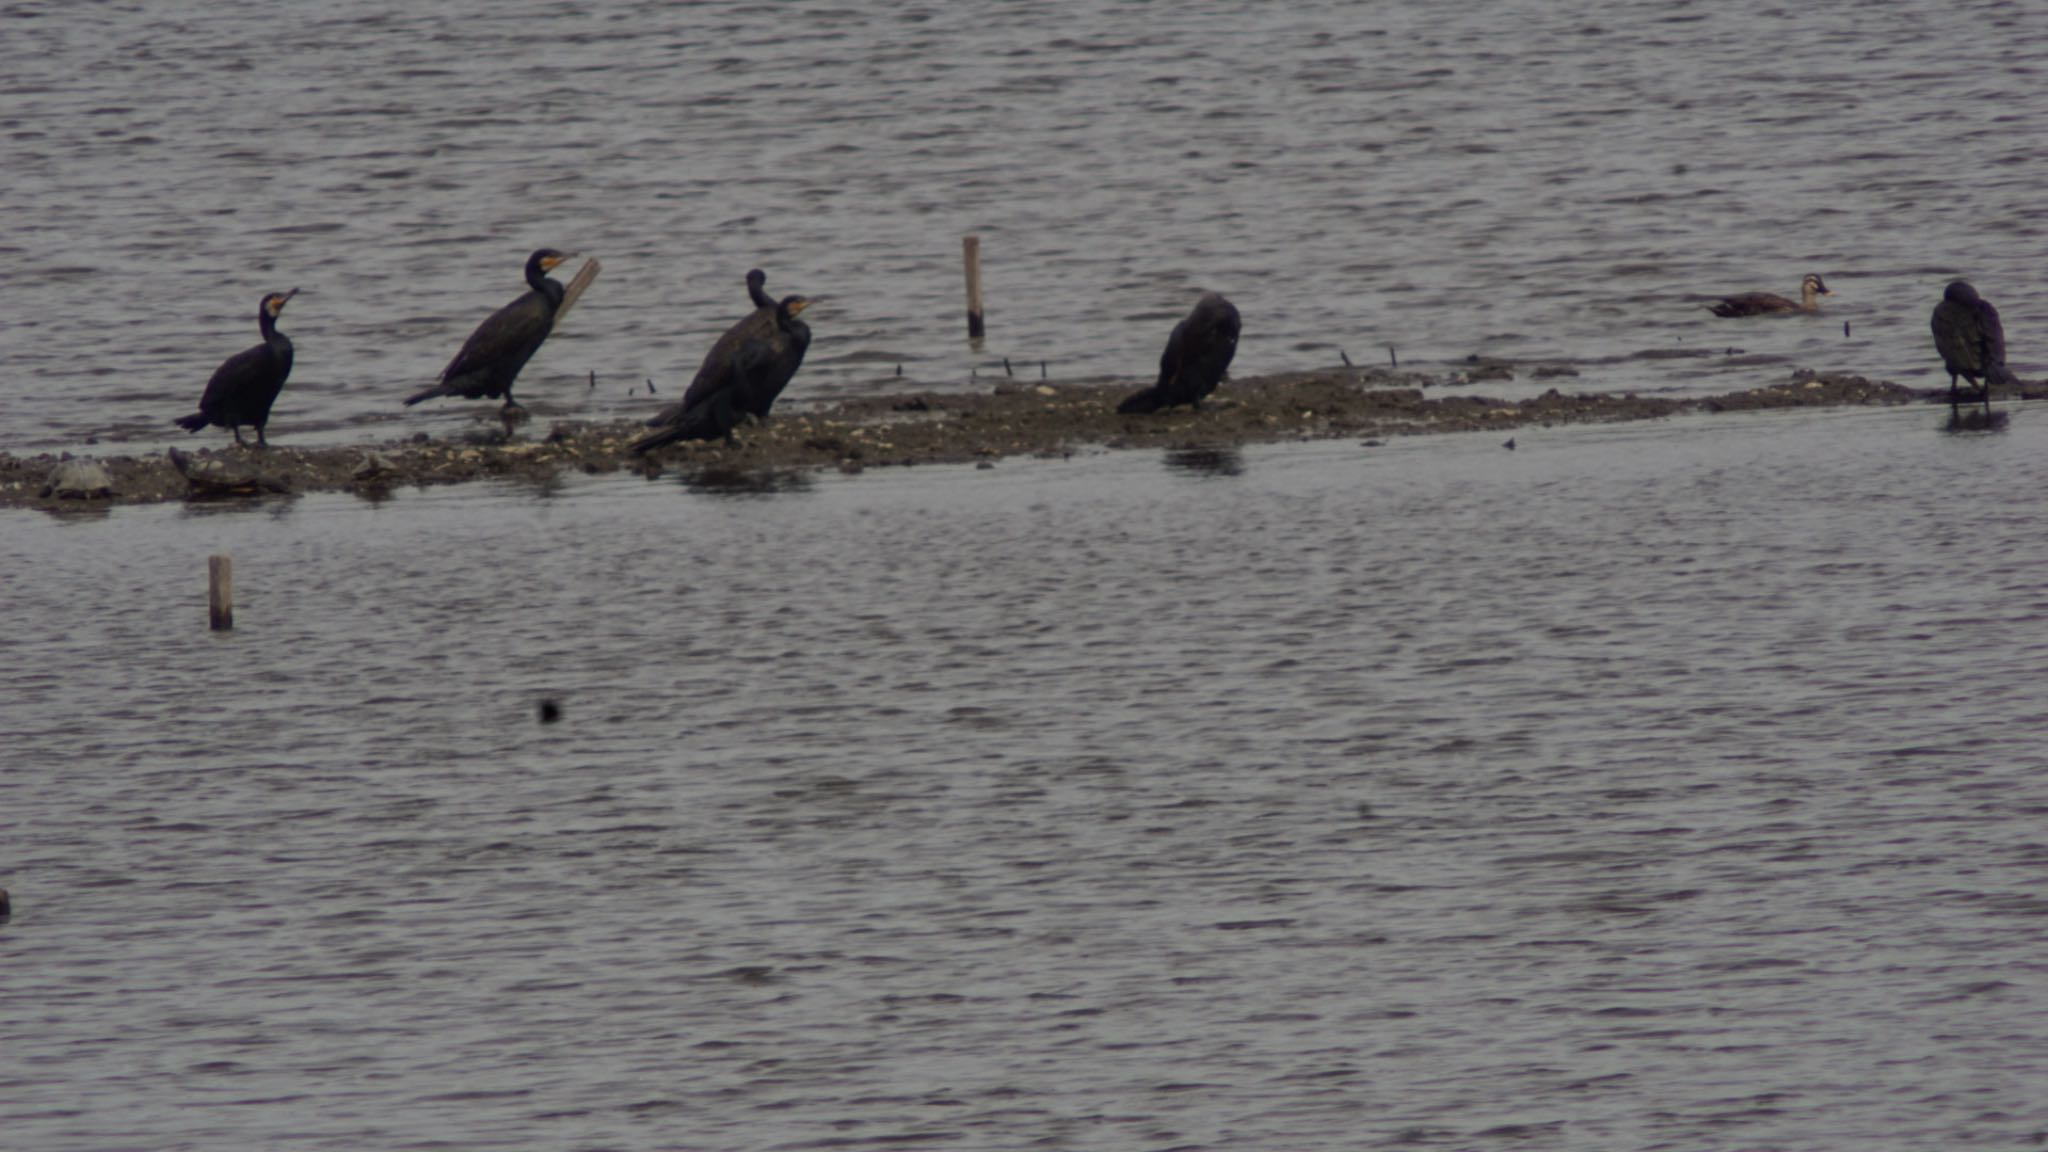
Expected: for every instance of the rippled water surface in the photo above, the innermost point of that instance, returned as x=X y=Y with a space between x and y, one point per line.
x=1522 y=179
x=1663 y=785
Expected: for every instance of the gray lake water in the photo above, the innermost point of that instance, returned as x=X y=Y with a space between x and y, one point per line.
x=1676 y=784
x=1665 y=785
x=1447 y=178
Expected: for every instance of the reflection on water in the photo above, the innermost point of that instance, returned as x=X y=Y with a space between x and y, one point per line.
x=722 y=481
x=1977 y=420
x=975 y=809
x=1206 y=461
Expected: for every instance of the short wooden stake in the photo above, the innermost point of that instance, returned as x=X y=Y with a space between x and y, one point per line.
x=970 y=249
x=220 y=592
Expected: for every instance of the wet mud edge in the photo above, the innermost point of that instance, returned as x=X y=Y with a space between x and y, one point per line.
x=907 y=429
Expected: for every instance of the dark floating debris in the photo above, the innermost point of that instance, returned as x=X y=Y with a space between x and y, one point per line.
x=550 y=711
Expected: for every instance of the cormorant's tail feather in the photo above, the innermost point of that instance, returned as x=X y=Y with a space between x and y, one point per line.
x=426 y=394
x=707 y=421
x=657 y=439
x=194 y=422
x=1147 y=401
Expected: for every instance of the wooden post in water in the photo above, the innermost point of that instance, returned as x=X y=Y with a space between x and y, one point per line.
x=970 y=250
x=220 y=592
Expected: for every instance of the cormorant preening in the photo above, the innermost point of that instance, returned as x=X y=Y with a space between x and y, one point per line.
x=1811 y=290
x=1971 y=341
x=491 y=358
x=1196 y=356
x=742 y=374
x=243 y=389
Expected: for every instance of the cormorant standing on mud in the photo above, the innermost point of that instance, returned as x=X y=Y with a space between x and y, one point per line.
x=245 y=386
x=1811 y=290
x=491 y=358
x=1196 y=356
x=741 y=376
x=1971 y=341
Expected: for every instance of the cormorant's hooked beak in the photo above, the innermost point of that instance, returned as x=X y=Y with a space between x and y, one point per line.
x=283 y=300
x=797 y=306
x=550 y=263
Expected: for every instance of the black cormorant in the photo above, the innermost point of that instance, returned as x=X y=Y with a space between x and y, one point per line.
x=1971 y=341
x=491 y=358
x=243 y=389
x=1196 y=356
x=742 y=374
x=1811 y=290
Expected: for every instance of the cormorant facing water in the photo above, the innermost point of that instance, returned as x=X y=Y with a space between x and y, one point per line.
x=491 y=358
x=742 y=375
x=246 y=385
x=1971 y=341
x=1811 y=290
x=1196 y=356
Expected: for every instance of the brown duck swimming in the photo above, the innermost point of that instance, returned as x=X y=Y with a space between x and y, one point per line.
x=1811 y=290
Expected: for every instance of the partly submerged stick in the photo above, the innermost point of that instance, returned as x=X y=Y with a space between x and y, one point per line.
x=584 y=276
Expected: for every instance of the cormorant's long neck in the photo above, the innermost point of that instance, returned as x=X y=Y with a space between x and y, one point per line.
x=266 y=322
x=755 y=292
x=537 y=279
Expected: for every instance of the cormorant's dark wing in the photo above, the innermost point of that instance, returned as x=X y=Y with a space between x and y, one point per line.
x=1991 y=334
x=716 y=374
x=1222 y=325
x=236 y=376
x=774 y=366
x=1959 y=337
x=1172 y=361
x=504 y=342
